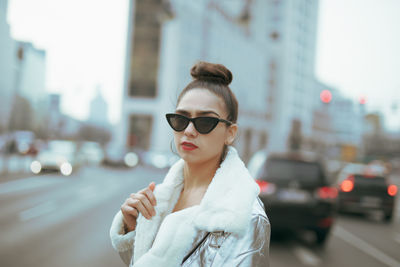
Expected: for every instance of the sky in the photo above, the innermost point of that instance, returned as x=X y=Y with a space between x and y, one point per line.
x=85 y=43
x=357 y=50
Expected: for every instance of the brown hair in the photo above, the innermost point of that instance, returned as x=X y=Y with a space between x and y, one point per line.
x=215 y=78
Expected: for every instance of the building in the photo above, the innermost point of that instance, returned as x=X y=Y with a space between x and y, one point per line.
x=54 y=116
x=98 y=112
x=7 y=67
x=29 y=96
x=348 y=119
x=338 y=125
x=292 y=30
x=22 y=81
x=30 y=82
x=268 y=45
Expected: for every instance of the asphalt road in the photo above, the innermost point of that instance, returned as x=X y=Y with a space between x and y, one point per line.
x=52 y=220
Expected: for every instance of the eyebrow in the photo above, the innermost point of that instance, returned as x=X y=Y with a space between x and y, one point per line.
x=204 y=112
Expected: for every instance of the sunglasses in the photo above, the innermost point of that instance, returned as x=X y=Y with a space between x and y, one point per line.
x=203 y=125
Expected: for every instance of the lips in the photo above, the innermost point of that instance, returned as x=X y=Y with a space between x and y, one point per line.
x=188 y=146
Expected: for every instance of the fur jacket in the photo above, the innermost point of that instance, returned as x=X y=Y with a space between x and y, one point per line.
x=228 y=228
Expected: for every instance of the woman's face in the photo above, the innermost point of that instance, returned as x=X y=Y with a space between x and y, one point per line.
x=194 y=147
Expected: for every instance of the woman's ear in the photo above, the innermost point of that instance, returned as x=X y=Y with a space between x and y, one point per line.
x=232 y=130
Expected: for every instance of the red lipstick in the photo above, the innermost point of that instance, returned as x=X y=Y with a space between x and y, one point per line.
x=188 y=146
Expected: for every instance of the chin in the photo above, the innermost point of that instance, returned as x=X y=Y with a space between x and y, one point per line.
x=188 y=157
x=198 y=159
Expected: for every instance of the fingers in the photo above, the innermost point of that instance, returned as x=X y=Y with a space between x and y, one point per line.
x=152 y=185
x=142 y=204
x=150 y=196
x=131 y=211
x=149 y=193
x=129 y=215
x=144 y=201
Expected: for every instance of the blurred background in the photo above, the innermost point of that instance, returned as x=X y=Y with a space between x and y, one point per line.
x=84 y=86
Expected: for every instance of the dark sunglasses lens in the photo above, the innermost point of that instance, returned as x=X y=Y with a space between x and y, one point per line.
x=205 y=125
x=178 y=123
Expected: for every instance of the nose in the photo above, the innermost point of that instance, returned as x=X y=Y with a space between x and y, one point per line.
x=191 y=130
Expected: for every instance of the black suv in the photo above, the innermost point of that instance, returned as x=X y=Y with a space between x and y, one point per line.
x=364 y=189
x=295 y=191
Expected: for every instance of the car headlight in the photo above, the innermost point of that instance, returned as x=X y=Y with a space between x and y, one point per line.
x=36 y=167
x=66 y=168
x=131 y=159
x=159 y=161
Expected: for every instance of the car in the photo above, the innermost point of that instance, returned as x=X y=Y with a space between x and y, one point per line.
x=58 y=156
x=24 y=141
x=295 y=191
x=120 y=157
x=159 y=159
x=365 y=188
x=92 y=152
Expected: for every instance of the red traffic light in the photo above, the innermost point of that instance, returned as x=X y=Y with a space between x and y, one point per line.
x=363 y=100
x=326 y=96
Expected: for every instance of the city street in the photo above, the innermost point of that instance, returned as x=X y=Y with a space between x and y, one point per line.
x=52 y=220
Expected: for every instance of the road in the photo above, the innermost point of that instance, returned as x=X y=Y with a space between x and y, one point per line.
x=51 y=220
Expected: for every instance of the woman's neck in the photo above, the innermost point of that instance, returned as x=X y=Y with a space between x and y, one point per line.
x=198 y=176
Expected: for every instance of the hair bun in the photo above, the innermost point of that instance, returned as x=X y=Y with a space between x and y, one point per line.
x=216 y=73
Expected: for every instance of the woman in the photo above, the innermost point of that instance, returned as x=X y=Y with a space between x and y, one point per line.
x=206 y=212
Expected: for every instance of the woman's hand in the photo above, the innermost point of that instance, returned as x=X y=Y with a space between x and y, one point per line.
x=141 y=202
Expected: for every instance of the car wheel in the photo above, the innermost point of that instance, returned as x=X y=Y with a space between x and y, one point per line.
x=321 y=236
x=388 y=217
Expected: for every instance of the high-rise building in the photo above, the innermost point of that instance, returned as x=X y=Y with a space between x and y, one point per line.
x=22 y=80
x=98 y=113
x=7 y=67
x=292 y=31
x=29 y=93
x=269 y=45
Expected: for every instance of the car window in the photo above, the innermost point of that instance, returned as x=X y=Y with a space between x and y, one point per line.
x=369 y=181
x=282 y=170
x=61 y=146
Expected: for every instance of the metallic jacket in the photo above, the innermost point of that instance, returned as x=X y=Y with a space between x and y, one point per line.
x=224 y=249
x=228 y=228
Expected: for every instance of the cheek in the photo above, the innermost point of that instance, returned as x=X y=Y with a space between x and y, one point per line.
x=215 y=141
x=177 y=137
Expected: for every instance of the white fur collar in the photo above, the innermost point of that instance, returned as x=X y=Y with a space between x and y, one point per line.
x=226 y=206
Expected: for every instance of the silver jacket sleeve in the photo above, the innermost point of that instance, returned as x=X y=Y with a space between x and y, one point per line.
x=224 y=249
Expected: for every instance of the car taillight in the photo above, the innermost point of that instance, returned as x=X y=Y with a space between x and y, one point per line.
x=265 y=187
x=327 y=192
x=392 y=190
x=325 y=222
x=348 y=184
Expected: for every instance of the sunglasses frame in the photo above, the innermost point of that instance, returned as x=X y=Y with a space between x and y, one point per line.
x=193 y=120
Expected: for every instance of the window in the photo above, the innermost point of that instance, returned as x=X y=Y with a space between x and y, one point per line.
x=282 y=171
x=139 y=134
x=145 y=50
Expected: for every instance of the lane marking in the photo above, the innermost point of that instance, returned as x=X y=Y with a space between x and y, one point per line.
x=28 y=184
x=306 y=256
x=37 y=211
x=365 y=247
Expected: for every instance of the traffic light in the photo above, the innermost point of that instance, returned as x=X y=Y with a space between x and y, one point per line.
x=325 y=96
